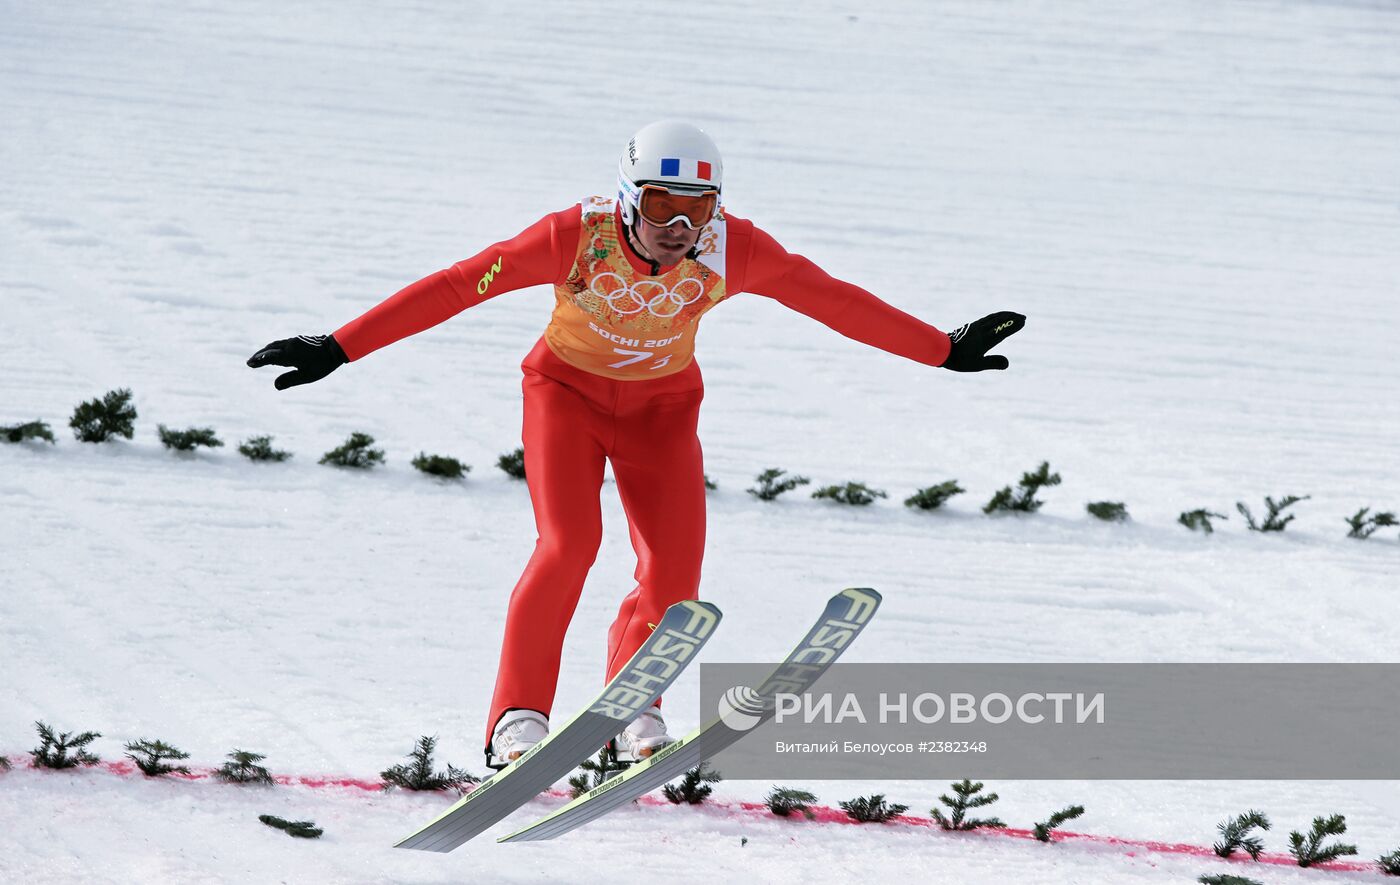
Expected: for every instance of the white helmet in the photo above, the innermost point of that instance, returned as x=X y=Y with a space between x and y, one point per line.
x=668 y=152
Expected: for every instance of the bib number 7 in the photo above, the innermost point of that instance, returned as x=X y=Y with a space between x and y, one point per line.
x=637 y=356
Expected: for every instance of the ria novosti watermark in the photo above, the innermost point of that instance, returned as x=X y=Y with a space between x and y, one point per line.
x=929 y=708
x=1187 y=721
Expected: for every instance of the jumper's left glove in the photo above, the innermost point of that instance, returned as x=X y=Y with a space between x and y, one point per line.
x=311 y=358
x=972 y=341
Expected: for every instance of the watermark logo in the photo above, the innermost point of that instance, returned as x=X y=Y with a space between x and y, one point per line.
x=741 y=708
x=1070 y=721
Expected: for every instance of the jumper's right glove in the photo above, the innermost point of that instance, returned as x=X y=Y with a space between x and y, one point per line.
x=972 y=341
x=312 y=357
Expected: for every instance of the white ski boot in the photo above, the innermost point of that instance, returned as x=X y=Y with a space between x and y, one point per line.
x=642 y=737
x=516 y=732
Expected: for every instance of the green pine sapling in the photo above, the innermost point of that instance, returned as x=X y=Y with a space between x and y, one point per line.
x=243 y=768
x=259 y=448
x=968 y=796
x=419 y=774
x=440 y=465
x=595 y=772
x=1108 y=511
x=1272 y=522
x=513 y=464
x=1024 y=500
x=770 y=486
x=1227 y=879
x=1199 y=519
x=1390 y=863
x=854 y=493
x=150 y=757
x=29 y=430
x=783 y=801
x=355 y=452
x=1309 y=850
x=694 y=787
x=1364 y=526
x=1043 y=831
x=4 y=763
x=302 y=829
x=189 y=439
x=710 y=484
x=53 y=748
x=1235 y=834
x=871 y=809
x=98 y=420
x=934 y=496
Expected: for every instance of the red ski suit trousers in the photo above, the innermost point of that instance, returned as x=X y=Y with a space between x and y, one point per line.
x=574 y=421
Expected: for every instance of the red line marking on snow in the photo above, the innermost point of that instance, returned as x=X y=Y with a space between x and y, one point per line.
x=125 y=768
x=821 y=814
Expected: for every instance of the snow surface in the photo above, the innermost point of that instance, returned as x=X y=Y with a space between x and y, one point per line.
x=1196 y=204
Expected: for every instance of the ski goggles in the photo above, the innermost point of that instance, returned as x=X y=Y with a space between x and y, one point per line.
x=663 y=207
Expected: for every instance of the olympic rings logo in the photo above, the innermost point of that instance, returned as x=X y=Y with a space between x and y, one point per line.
x=649 y=295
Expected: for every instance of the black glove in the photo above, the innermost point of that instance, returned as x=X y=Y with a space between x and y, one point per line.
x=972 y=341
x=312 y=358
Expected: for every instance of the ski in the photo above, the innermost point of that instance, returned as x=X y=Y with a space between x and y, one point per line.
x=845 y=616
x=673 y=644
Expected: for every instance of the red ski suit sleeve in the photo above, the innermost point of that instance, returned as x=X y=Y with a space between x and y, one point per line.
x=544 y=252
x=767 y=269
x=540 y=254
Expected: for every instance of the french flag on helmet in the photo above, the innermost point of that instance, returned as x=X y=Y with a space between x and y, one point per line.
x=686 y=167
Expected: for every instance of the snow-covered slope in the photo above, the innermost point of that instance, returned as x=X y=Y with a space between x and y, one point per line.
x=1197 y=205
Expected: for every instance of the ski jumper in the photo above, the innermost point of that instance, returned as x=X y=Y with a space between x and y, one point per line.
x=614 y=378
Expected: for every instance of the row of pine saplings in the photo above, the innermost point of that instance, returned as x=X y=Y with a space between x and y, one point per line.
x=61 y=750
x=113 y=415
x=1236 y=835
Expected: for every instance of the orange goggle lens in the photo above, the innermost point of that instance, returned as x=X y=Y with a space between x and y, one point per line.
x=661 y=207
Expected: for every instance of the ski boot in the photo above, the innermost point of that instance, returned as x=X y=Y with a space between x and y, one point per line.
x=641 y=738
x=516 y=732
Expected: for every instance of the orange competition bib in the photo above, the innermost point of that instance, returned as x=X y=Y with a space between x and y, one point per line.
x=613 y=321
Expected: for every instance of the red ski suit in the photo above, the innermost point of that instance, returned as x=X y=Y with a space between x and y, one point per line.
x=582 y=406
